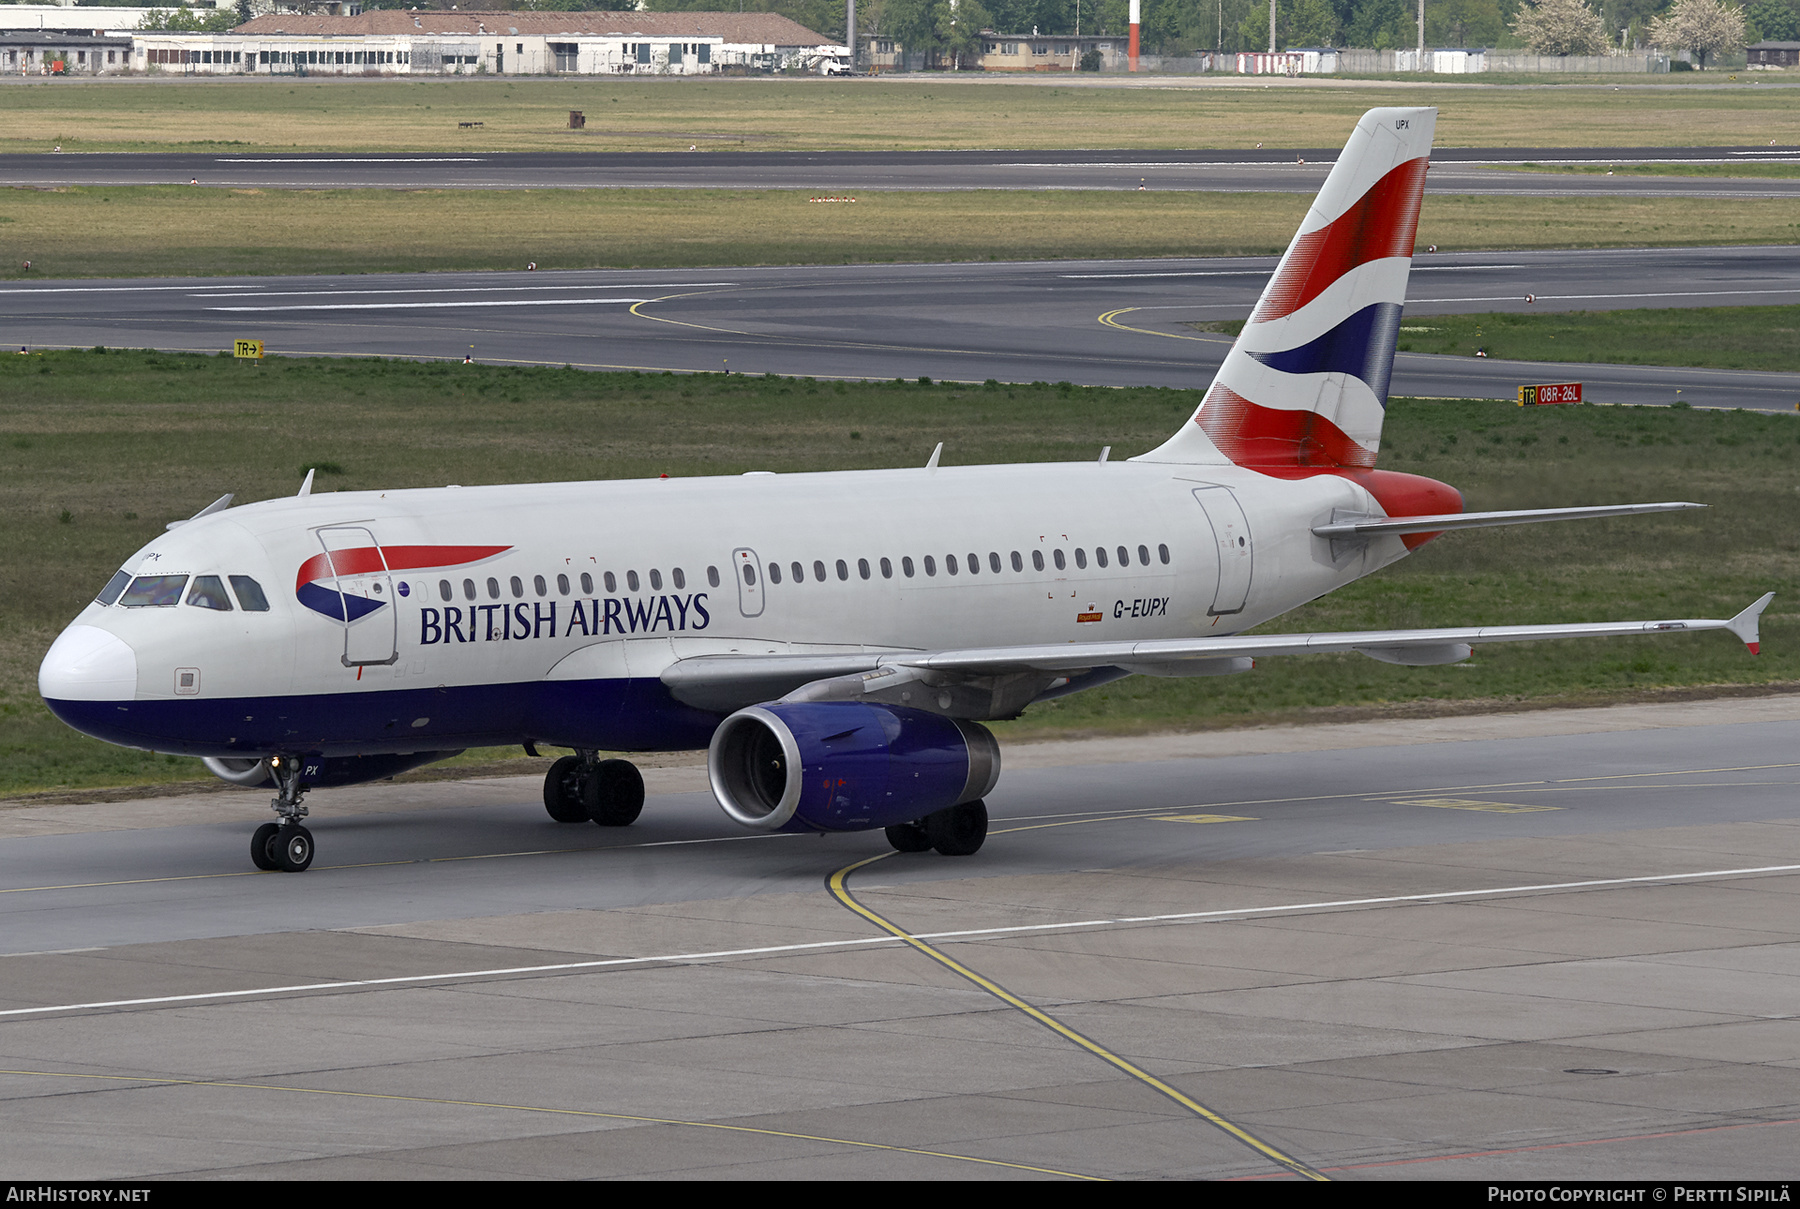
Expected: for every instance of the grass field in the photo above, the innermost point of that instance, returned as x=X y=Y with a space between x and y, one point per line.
x=936 y=111
x=181 y=231
x=98 y=450
x=1738 y=337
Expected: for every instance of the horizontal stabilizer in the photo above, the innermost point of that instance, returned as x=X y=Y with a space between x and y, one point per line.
x=1379 y=526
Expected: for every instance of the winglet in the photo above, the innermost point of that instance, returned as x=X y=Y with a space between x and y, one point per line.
x=306 y=487
x=218 y=505
x=1744 y=625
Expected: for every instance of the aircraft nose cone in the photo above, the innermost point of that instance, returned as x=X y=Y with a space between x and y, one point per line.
x=86 y=663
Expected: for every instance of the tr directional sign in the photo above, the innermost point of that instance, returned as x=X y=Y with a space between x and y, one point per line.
x=1550 y=392
x=252 y=349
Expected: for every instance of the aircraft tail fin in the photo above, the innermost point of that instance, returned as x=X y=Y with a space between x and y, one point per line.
x=1306 y=384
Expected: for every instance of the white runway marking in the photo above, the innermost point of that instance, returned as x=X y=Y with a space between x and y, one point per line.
x=461 y=159
x=813 y=946
x=1592 y=297
x=413 y=306
x=248 y=292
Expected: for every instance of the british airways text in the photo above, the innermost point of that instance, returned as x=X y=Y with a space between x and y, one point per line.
x=538 y=619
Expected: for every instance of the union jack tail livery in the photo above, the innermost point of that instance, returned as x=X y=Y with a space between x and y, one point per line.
x=1305 y=386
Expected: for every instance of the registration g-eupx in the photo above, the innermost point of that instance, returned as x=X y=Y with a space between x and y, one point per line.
x=834 y=641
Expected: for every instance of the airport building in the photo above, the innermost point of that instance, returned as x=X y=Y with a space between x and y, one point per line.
x=396 y=42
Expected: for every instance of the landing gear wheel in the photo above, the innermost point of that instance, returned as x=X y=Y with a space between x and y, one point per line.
x=958 y=830
x=262 y=847
x=613 y=793
x=909 y=837
x=562 y=791
x=293 y=848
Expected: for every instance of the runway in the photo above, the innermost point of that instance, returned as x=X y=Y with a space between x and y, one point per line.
x=1098 y=323
x=1553 y=945
x=1454 y=170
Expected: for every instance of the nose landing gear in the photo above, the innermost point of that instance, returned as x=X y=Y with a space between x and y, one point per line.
x=286 y=845
x=582 y=788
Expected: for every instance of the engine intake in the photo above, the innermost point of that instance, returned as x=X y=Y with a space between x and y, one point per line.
x=846 y=765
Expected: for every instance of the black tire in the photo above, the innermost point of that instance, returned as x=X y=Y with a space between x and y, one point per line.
x=908 y=837
x=614 y=793
x=293 y=848
x=958 y=830
x=562 y=791
x=262 y=847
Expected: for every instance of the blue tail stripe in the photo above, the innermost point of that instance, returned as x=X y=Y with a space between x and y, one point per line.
x=1362 y=346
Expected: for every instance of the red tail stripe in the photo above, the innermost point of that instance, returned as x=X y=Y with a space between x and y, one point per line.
x=1265 y=437
x=1380 y=224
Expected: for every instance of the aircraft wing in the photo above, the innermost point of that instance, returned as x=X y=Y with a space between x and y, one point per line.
x=730 y=681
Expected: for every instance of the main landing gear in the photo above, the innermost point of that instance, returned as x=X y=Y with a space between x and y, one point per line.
x=583 y=788
x=286 y=845
x=953 y=831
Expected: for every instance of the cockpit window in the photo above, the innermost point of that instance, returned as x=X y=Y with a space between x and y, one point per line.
x=154 y=591
x=250 y=594
x=113 y=587
x=208 y=592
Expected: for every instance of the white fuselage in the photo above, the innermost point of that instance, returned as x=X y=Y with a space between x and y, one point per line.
x=590 y=585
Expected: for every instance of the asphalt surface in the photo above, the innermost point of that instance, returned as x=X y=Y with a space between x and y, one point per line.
x=1455 y=170
x=1101 y=323
x=1547 y=946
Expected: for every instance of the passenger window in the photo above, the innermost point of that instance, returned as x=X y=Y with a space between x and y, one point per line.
x=681 y=580
x=1060 y=564
x=974 y=563
x=493 y=588
x=518 y=588
x=1017 y=562
x=842 y=570
x=208 y=592
x=154 y=592
x=906 y=567
x=631 y=580
x=468 y=589
x=444 y=592
x=1143 y=556
x=1080 y=559
x=930 y=566
x=612 y=585
x=950 y=564
x=994 y=561
x=251 y=599
x=1162 y=552
x=749 y=575
x=887 y=569
x=587 y=584
x=799 y=572
x=1037 y=560
x=818 y=570
x=655 y=580
x=542 y=588
x=774 y=573
x=1100 y=555
x=712 y=576
x=113 y=587
x=562 y=585
x=862 y=567
x=1125 y=557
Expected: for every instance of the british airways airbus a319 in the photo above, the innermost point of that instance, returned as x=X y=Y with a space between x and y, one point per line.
x=833 y=640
